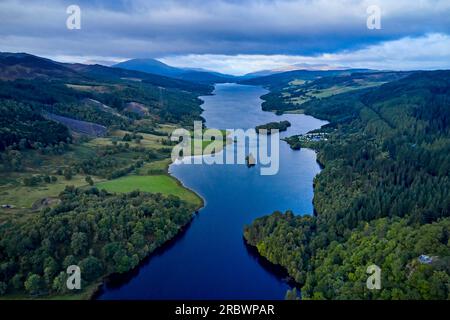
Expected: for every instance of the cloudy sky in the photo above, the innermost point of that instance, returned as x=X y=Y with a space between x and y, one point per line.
x=233 y=36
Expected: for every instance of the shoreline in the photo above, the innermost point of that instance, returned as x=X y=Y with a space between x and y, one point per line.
x=116 y=279
x=119 y=279
x=276 y=269
x=264 y=259
x=126 y=276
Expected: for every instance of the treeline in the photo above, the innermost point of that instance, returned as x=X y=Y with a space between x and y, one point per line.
x=102 y=233
x=387 y=161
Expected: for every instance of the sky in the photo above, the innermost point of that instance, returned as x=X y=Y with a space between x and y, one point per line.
x=233 y=36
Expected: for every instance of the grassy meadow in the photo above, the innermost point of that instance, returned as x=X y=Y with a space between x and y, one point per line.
x=163 y=184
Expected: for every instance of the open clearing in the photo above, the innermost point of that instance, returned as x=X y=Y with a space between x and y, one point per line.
x=154 y=184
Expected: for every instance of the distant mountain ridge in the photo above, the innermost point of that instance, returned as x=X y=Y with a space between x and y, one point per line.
x=150 y=66
x=282 y=78
x=154 y=66
x=294 y=67
x=15 y=66
x=26 y=66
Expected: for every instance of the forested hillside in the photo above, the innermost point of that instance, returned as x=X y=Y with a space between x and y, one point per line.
x=291 y=90
x=383 y=197
x=23 y=126
x=64 y=131
x=46 y=86
x=279 y=80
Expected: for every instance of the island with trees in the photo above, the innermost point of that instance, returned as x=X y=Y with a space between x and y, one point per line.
x=280 y=126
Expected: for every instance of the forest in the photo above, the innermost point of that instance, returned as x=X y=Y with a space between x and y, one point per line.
x=382 y=198
x=103 y=233
x=23 y=127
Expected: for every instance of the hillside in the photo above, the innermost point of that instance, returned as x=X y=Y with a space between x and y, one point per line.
x=278 y=80
x=293 y=90
x=150 y=66
x=68 y=134
x=63 y=89
x=15 y=66
x=383 y=197
x=108 y=74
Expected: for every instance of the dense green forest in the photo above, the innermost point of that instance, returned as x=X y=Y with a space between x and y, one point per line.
x=337 y=270
x=383 y=196
x=23 y=127
x=102 y=233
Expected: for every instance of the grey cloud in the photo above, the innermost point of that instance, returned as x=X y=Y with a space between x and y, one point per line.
x=156 y=28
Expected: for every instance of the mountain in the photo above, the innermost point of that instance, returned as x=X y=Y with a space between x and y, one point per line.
x=150 y=66
x=294 y=67
x=26 y=66
x=154 y=66
x=52 y=88
x=262 y=73
x=15 y=66
x=104 y=73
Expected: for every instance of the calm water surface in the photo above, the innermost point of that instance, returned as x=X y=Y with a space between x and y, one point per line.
x=210 y=259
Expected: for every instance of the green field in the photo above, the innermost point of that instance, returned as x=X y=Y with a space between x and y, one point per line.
x=159 y=183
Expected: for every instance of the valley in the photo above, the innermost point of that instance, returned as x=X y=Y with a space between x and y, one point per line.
x=210 y=260
x=86 y=178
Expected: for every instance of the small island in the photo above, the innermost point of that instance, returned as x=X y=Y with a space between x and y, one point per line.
x=280 y=126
